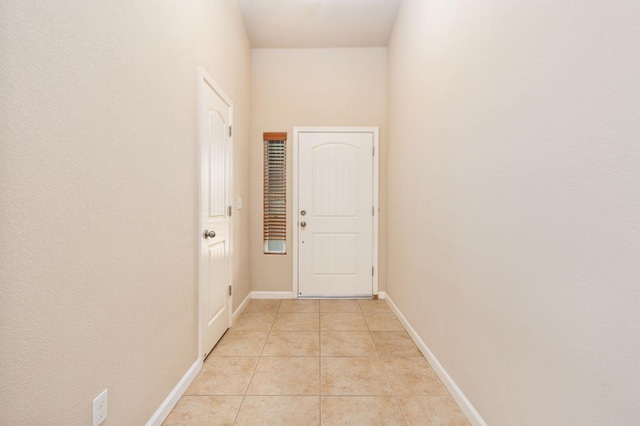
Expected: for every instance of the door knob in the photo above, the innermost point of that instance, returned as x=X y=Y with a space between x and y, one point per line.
x=209 y=234
x=303 y=224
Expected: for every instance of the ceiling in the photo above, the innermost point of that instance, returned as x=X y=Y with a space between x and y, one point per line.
x=319 y=23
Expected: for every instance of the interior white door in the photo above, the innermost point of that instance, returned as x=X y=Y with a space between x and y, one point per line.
x=335 y=208
x=215 y=162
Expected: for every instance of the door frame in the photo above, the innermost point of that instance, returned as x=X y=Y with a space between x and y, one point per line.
x=375 y=131
x=204 y=77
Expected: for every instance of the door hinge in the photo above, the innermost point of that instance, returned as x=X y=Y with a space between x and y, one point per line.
x=373 y=210
x=230 y=290
x=373 y=150
x=373 y=272
x=230 y=131
x=229 y=209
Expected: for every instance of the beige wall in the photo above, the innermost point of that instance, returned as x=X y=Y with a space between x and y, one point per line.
x=310 y=87
x=99 y=172
x=514 y=194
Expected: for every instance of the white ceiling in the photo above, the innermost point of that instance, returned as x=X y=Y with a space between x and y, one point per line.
x=319 y=23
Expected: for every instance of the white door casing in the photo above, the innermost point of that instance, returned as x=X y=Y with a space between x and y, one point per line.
x=335 y=212
x=215 y=119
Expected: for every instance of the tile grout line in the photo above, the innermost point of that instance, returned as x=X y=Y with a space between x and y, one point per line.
x=235 y=420
x=395 y=396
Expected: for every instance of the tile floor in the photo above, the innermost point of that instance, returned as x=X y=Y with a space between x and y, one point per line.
x=312 y=362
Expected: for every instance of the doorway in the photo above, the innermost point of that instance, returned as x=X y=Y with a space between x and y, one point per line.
x=335 y=219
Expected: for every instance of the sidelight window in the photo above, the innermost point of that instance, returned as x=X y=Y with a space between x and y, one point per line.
x=274 y=195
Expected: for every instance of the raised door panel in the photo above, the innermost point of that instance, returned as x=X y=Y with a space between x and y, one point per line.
x=335 y=181
x=335 y=254
x=217 y=167
x=218 y=276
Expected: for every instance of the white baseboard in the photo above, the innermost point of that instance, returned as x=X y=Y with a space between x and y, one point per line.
x=241 y=308
x=465 y=405
x=272 y=295
x=382 y=295
x=167 y=405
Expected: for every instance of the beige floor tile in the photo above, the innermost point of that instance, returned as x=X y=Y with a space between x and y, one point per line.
x=360 y=410
x=395 y=343
x=297 y=305
x=204 y=411
x=343 y=321
x=347 y=343
x=353 y=376
x=254 y=321
x=240 y=343
x=292 y=343
x=297 y=321
x=339 y=306
x=263 y=305
x=413 y=376
x=279 y=410
x=272 y=355
x=382 y=321
x=286 y=376
x=223 y=376
x=378 y=305
x=432 y=411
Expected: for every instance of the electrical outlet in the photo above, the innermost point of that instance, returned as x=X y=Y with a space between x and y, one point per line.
x=100 y=408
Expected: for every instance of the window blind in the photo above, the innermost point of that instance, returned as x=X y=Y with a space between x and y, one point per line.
x=275 y=189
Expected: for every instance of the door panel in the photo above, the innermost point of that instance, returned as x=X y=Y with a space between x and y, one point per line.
x=216 y=175
x=335 y=190
x=217 y=268
x=215 y=158
x=334 y=180
x=335 y=254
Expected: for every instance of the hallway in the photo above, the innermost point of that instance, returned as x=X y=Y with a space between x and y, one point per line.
x=306 y=362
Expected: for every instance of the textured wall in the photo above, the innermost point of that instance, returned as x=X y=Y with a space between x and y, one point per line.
x=99 y=175
x=310 y=87
x=514 y=194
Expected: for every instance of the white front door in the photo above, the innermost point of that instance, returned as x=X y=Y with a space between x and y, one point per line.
x=215 y=222
x=335 y=214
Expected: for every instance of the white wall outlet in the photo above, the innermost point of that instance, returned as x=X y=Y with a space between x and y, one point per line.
x=239 y=203
x=100 y=408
